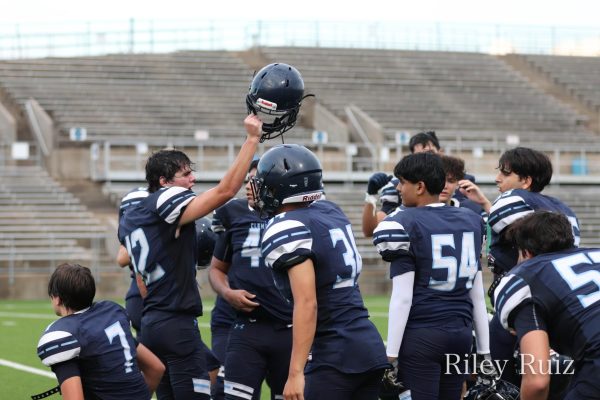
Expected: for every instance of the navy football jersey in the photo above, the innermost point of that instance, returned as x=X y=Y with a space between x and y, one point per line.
x=162 y=253
x=129 y=201
x=565 y=289
x=239 y=245
x=345 y=339
x=442 y=245
x=100 y=341
x=222 y=314
x=511 y=206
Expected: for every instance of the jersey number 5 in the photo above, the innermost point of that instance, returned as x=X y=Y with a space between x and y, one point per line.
x=575 y=280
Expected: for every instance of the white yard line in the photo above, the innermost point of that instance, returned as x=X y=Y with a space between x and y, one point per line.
x=7 y=314
x=31 y=370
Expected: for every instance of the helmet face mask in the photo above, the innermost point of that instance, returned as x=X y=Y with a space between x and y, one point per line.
x=286 y=174
x=496 y=390
x=275 y=94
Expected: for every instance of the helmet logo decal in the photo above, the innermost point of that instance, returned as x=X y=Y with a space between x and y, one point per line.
x=311 y=197
x=269 y=105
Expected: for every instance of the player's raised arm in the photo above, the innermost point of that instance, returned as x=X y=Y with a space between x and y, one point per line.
x=233 y=179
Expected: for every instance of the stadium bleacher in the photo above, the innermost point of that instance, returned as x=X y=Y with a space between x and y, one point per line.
x=470 y=98
x=579 y=75
x=474 y=95
x=42 y=224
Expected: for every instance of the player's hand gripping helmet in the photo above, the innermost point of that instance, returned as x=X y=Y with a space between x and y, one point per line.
x=205 y=241
x=276 y=90
x=287 y=173
x=494 y=390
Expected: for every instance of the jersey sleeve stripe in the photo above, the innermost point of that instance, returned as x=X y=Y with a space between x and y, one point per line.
x=507 y=210
x=169 y=207
x=135 y=195
x=509 y=295
x=53 y=336
x=391 y=239
x=302 y=246
x=60 y=356
x=282 y=226
x=504 y=222
x=57 y=346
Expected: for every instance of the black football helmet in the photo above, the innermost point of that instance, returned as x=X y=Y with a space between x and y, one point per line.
x=494 y=390
x=205 y=241
x=287 y=173
x=276 y=90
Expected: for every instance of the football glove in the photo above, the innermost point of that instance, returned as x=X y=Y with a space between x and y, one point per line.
x=377 y=181
x=391 y=387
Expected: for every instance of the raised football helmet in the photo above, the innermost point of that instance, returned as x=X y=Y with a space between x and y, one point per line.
x=493 y=390
x=287 y=173
x=276 y=90
x=205 y=241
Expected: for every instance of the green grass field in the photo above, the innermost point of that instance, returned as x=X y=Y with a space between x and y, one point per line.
x=22 y=322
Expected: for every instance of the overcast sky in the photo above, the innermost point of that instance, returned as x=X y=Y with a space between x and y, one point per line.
x=523 y=12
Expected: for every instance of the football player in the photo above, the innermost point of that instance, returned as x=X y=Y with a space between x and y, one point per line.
x=437 y=287
x=454 y=168
x=205 y=241
x=337 y=352
x=552 y=299
x=390 y=197
x=523 y=174
x=133 y=297
x=90 y=348
x=260 y=342
x=160 y=239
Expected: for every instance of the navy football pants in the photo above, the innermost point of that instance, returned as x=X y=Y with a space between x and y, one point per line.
x=423 y=361
x=331 y=384
x=219 y=338
x=257 y=349
x=176 y=341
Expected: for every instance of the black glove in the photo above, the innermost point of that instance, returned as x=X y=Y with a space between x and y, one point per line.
x=377 y=181
x=391 y=387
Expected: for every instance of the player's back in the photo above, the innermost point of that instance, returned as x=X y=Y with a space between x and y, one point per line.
x=100 y=340
x=163 y=253
x=241 y=229
x=442 y=245
x=345 y=339
x=565 y=287
x=513 y=205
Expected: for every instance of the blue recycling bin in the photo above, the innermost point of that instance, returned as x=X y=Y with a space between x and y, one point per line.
x=579 y=166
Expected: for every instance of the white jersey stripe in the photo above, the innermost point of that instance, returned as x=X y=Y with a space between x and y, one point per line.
x=280 y=227
x=287 y=248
